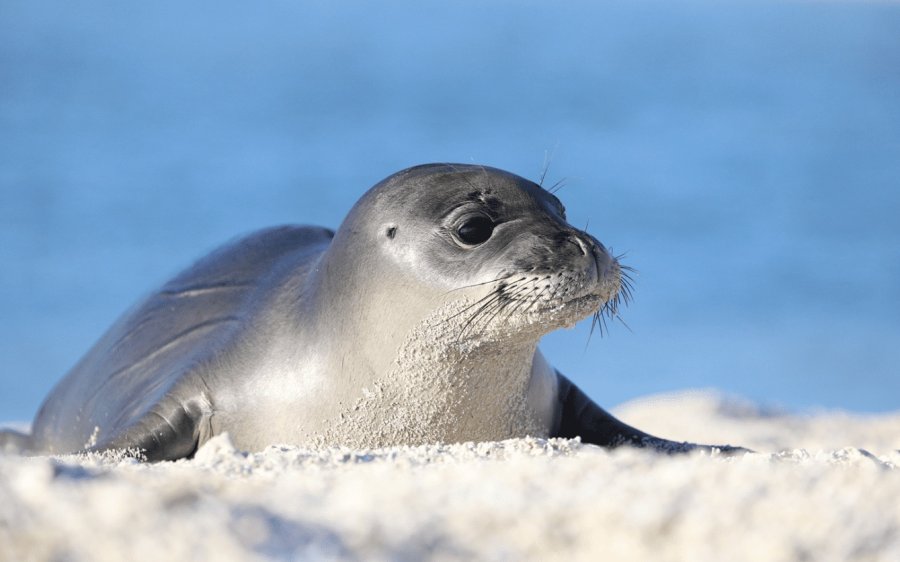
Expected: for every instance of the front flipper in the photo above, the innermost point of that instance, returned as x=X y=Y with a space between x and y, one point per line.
x=12 y=441
x=579 y=416
x=164 y=433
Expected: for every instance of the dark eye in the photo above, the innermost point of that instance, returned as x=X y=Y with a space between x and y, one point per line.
x=475 y=231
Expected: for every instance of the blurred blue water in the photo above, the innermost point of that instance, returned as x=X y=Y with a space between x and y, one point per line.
x=746 y=156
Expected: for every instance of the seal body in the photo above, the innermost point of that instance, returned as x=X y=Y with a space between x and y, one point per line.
x=416 y=321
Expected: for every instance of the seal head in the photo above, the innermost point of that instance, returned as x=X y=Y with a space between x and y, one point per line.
x=453 y=273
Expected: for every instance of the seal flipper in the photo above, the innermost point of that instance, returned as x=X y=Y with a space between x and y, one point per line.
x=160 y=436
x=12 y=441
x=578 y=416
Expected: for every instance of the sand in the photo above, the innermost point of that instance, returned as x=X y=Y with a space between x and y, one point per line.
x=821 y=487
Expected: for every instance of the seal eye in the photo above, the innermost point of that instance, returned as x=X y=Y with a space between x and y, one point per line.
x=475 y=231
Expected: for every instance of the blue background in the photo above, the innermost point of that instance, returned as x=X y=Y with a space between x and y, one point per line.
x=745 y=156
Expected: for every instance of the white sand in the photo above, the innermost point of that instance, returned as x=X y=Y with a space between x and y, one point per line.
x=512 y=500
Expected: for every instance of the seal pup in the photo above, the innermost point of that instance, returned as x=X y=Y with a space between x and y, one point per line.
x=417 y=321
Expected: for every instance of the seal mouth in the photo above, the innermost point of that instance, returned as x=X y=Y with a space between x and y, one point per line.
x=526 y=303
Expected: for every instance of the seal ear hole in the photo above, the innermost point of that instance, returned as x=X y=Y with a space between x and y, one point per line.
x=391 y=232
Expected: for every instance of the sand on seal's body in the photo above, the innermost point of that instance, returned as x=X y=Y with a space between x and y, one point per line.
x=520 y=499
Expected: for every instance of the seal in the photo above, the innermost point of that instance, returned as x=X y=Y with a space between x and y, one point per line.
x=417 y=321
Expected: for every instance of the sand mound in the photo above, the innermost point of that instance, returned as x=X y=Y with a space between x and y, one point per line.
x=519 y=499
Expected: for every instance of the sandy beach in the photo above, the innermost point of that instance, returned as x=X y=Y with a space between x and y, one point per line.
x=822 y=486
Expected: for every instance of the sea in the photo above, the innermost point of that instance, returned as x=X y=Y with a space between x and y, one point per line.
x=743 y=157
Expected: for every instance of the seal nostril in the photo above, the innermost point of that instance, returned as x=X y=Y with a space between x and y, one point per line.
x=573 y=239
x=580 y=243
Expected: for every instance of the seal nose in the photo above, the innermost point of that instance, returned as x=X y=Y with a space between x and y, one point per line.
x=576 y=241
x=581 y=245
x=596 y=256
x=601 y=257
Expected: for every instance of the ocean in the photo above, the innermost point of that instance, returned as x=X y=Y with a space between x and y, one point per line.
x=744 y=157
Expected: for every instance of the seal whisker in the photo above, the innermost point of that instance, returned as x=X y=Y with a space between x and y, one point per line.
x=625 y=286
x=480 y=284
x=484 y=301
x=522 y=302
x=557 y=186
x=491 y=294
x=504 y=304
x=621 y=321
x=598 y=322
x=626 y=281
x=462 y=174
x=487 y=177
x=548 y=158
x=489 y=311
x=591 y=333
x=494 y=298
x=475 y=320
x=536 y=299
x=516 y=297
x=602 y=323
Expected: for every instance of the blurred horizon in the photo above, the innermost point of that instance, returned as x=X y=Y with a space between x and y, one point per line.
x=744 y=156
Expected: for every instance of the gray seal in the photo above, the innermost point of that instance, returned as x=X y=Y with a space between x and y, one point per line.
x=417 y=321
